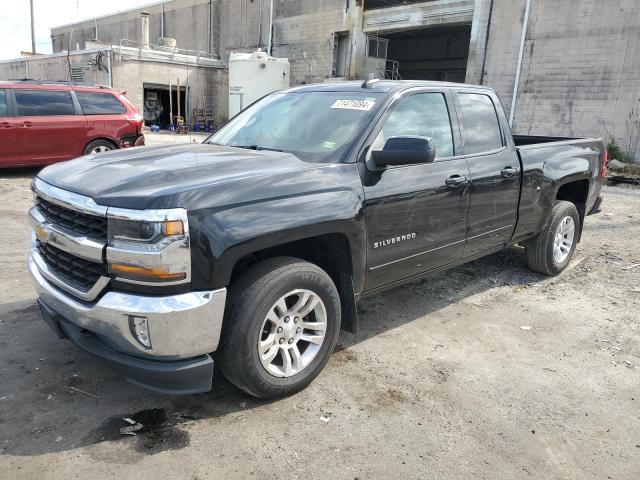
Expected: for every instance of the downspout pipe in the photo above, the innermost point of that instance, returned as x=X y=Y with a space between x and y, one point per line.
x=109 y=52
x=270 y=29
x=162 y=20
x=486 y=43
x=514 y=97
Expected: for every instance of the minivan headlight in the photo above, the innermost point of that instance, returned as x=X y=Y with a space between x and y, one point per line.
x=149 y=246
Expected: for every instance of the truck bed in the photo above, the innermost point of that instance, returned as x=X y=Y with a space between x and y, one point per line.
x=545 y=163
x=539 y=140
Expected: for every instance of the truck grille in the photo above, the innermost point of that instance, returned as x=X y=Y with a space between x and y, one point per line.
x=75 y=222
x=79 y=273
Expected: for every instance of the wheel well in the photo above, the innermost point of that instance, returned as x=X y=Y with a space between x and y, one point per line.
x=576 y=193
x=331 y=252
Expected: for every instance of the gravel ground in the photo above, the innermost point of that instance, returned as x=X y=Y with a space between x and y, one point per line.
x=487 y=371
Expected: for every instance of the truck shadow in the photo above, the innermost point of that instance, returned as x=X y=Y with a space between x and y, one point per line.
x=54 y=397
x=20 y=172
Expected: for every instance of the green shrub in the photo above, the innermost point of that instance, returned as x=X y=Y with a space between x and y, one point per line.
x=615 y=152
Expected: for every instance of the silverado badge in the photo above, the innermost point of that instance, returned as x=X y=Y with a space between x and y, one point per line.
x=392 y=240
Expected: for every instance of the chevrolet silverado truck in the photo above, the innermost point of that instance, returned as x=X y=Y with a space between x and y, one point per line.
x=252 y=249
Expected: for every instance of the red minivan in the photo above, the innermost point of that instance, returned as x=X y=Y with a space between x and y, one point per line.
x=43 y=122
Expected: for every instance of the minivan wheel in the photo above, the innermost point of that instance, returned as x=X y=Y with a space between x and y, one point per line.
x=551 y=251
x=281 y=326
x=98 y=146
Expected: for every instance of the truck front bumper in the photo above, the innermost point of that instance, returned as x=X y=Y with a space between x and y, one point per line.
x=184 y=329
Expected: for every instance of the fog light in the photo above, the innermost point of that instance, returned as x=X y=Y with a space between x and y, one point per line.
x=140 y=329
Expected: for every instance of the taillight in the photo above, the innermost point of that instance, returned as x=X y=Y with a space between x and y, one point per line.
x=605 y=160
x=135 y=119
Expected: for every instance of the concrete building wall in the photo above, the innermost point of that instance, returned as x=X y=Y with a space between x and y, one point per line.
x=52 y=68
x=132 y=75
x=304 y=32
x=187 y=21
x=580 y=70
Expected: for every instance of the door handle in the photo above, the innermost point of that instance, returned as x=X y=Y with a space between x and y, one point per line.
x=6 y=125
x=455 y=180
x=508 y=172
x=27 y=124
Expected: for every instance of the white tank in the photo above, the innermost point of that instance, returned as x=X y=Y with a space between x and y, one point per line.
x=252 y=76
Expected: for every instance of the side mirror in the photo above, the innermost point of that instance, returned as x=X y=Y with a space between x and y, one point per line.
x=405 y=150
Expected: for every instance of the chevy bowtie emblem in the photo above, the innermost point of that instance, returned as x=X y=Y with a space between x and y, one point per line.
x=392 y=240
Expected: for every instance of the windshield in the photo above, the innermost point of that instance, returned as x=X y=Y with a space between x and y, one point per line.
x=315 y=126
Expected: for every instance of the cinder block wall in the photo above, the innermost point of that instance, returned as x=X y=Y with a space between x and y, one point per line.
x=580 y=71
x=131 y=75
x=52 y=68
x=185 y=20
x=304 y=33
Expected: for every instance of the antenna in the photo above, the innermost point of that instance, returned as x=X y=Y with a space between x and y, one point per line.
x=369 y=81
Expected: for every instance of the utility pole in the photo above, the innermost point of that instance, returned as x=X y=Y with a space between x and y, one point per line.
x=33 y=33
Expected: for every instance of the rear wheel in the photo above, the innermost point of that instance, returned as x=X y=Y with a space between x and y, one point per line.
x=551 y=251
x=98 y=146
x=281 y=326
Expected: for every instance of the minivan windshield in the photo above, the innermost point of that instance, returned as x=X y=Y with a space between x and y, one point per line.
x=314 y=126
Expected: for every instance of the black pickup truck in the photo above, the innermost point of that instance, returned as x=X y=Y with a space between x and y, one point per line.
x=253 y=248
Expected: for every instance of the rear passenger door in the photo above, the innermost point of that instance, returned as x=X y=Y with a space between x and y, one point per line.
x=8 y=135
x=50 y=128
x=494 y=168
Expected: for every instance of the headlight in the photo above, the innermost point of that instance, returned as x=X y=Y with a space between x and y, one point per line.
x=127 y=231
x=149 y=247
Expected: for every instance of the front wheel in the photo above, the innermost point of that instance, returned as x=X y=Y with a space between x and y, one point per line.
x=281 y=326
x=551 y=251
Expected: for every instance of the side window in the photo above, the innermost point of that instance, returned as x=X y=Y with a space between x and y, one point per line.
x=423 y=114
x=43 y=102
x=4 y=110
x=480 y=122
x=99 y=103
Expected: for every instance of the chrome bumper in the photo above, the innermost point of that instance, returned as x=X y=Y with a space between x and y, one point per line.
x=180 y=326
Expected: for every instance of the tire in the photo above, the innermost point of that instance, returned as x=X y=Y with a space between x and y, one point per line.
x=253 y=316
x=98 y=146
x=551 y=251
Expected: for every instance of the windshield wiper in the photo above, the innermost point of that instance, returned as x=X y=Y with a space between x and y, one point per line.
x=256 y=147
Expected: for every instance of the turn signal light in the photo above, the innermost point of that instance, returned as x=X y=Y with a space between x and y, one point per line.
x=173 y=227
x=141 y=273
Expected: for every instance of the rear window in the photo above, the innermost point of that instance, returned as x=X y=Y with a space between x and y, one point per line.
x=480 y=123
x=4 y=111
x=44 y=102
x=99 y=103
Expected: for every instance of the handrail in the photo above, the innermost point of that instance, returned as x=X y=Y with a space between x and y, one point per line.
x=173 y=51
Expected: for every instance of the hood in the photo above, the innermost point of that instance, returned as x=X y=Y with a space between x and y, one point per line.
x=160 y=177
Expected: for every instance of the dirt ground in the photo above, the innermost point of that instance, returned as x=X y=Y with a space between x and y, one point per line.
x=487 y=371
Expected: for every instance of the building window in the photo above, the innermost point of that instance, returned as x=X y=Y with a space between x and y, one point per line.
x=377 y=47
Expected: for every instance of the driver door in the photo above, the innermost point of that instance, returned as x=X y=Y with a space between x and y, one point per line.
x=416 y=215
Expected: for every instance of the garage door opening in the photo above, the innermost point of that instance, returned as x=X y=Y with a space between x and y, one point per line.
x=157 y=106
x=433 y=53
